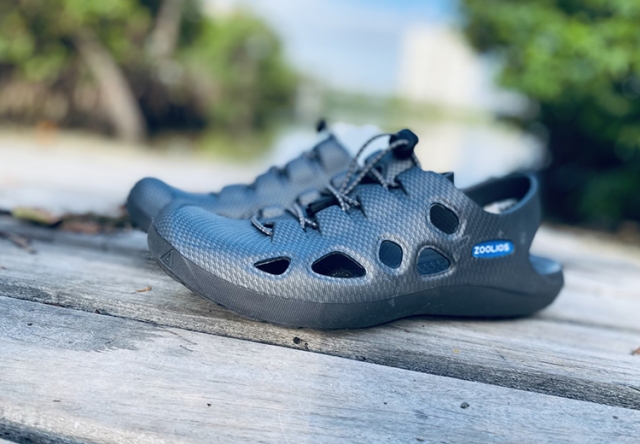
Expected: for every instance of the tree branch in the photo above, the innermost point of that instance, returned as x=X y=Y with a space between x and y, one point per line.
x=121 y=105
x=164 y=38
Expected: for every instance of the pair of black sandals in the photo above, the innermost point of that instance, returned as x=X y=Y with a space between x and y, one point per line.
x=326 y=242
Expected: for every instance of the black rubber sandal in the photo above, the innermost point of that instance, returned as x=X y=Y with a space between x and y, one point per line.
x=386 y=245
x=306 y=174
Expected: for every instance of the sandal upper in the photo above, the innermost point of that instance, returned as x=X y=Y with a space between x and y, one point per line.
x=421 y=233
x=280 y=186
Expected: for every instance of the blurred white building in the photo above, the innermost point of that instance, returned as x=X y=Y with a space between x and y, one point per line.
x=437 y=66
x=384 y=49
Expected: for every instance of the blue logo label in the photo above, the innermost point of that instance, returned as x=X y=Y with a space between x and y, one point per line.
x=495 y=248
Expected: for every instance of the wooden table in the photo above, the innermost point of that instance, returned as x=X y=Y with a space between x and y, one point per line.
x=86 y=355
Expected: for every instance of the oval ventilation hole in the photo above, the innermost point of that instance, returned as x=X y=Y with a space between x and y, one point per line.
x=276 y=266
x=431 y=262
x=338 y=265
x=390 y=254
x=443 y=219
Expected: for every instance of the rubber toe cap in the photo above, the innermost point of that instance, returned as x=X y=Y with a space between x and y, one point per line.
x=146 y=199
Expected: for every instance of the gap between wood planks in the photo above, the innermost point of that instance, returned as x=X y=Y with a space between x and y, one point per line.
x=575 y=349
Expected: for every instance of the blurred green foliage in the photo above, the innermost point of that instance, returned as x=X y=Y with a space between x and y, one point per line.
x=244 y=56
x=579 y=61
x=36 y=35
x=226 y=72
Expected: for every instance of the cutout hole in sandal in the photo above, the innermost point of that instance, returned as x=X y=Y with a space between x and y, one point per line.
x=275 y=266
x=338 y=265
x=431 y=262
x=390 y=254
x=443 y=218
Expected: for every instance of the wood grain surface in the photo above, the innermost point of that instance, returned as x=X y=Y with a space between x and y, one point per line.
x=69 y=376
x=557 y=352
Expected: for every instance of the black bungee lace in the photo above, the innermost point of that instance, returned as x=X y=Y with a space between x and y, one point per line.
x=354 y=176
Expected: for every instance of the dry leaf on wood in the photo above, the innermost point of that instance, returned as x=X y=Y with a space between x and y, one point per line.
x=35 y=215
x=82 y=226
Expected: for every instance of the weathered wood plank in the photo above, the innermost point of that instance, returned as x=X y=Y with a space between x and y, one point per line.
x=124 y=242
x=570 y=359
x=602 y=278
x=102 y=379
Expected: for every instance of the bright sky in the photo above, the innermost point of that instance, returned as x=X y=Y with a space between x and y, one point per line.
x=349 y=44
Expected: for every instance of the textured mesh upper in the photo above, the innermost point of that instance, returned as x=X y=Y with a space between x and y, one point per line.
x=230 y=248
x=309 y=172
